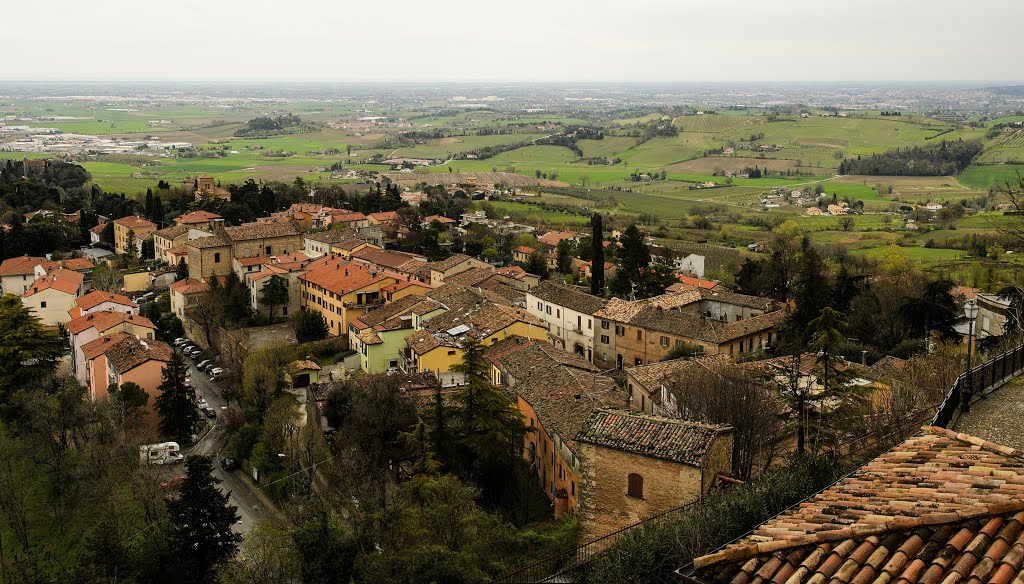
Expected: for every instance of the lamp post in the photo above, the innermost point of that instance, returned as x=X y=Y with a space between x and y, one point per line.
x=971 y=312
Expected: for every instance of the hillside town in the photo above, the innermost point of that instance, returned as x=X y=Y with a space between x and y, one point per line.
x=380 y=348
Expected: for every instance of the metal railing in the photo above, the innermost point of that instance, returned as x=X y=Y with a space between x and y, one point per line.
x=983 y=378
x=566 y=566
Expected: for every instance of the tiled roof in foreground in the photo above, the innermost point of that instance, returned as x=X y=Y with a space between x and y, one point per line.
x=939 y=508
x=669 y=439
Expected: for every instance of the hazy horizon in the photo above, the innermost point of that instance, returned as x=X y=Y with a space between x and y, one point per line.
x=458 y=41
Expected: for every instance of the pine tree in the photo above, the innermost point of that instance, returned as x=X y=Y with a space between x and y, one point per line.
x=634 y=257
x=176 y=402
x=200 y=523
x=149 y=204
x=310 y=326
x=181 y=272
x=274 y=293
x=596 y=255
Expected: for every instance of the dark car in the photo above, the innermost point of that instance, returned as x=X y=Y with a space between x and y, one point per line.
x=210 y=413
x=229 y=464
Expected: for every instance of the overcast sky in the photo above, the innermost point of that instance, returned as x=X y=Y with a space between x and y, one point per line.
x=513 y=40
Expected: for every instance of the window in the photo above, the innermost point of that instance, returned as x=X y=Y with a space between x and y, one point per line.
x=572 y=488
x=540 y=306
x=216 y=257
x=590 y=324
x=639 y=335
x=620 y=331
x=635 y=488
x=548 y=310
x=285 y=309
x=451 y=353
x=638 y=361
x=579 y=322
x=42 y=304
x=605 y=340
x=664 y=341
x=751 y=346
x=604 y=324
x=268 y=250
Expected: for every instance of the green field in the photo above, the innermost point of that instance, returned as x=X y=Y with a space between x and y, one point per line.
x=985 y=176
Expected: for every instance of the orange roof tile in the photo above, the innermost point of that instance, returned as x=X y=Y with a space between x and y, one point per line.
x=19 y=266
x=133 y=222
x=196 y=218
x=63 y=280
x=95 y=348
x=190 y=286
x=104 y=320
x=96 y=297
x=341 y=277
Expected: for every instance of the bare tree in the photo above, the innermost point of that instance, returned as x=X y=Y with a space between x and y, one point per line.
x=715 y=390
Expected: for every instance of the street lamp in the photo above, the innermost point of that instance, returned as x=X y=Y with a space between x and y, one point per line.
x=971 y=312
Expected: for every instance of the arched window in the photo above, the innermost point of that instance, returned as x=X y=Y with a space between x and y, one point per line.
x=635 y=488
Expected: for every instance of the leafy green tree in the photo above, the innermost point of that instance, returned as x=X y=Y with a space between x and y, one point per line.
x=274 y=293
x=176 y=403
x=537 y=264
x=596 y=255
x=326 y=552
x=490 y=429
x=564 y=256
x=200 y=523
x=634 y=257
x=268 y=556
x=129 y=399
x=27 y=350
x=169 y=328
x=310 y=325
x=181 y=272
x=234 y=297
x=813 y=294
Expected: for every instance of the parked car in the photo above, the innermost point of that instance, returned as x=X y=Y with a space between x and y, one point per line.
x=203 y=404
x=172 y=483
x=216 y=372
x=210 y=367
x=195 y=353
x=210 y=413
x=202 y=364
x=229 y=464
x=180 y=342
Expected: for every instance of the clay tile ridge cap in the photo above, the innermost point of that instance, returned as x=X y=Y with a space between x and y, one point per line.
x=748 y=550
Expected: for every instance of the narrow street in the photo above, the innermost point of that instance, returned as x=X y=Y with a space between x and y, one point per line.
x=250 y=509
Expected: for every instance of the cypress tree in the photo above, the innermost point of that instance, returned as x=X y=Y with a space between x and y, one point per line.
x=597 y=256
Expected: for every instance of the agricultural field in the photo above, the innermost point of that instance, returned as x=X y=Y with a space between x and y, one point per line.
x=984 y=176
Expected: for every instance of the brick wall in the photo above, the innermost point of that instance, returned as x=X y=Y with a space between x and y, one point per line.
x=604 y=505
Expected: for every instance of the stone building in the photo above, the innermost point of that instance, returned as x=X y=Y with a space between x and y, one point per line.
x=568 y=315
x=635 y=466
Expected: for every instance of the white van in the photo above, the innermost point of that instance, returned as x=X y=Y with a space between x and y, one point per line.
x=162 y=453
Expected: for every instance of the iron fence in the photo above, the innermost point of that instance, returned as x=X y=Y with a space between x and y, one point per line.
x=982 y=378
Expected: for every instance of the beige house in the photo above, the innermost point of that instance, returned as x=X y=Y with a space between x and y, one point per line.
x=17 y=274
x=141 y=228
x=185 y=293
x=209 y=256
x=53 y=295
x=635 y=466
x=166 y=239
x=100 y=300
x=455 y=264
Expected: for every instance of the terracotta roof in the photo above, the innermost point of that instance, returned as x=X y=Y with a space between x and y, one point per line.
x=478 y=321
x=104 y=320
x=404 y=284
x=291 y=257
x=756 y=302
x=393 y=309
x=370 y=337
x=940 y=507
x=669 y=439
x=650 y=375
x=260 y=231
x=97 y=347
x=624 y=310
x=196 y=217
x=190 y=286
x=98 y=229
x=520 y=355
x=470 y=277
x=691 y=283
x=180 y=249
x=439 y=218
x=133 y=222
x=301 y=365
x=450 y=262
x=341 y=277
x=347 y=216
x=568 y=297
x=20 y=266
x=332 y=236
x=464 y=298
x=131 y=352
x=512 y=272
x=172 y=232
x=695 y=326
x=211 y=241
x=385 y=216
x=96 y=297
x=65 y=281
x=74 y=264
x=553 y=238
x=525 y=249
x=386 y=258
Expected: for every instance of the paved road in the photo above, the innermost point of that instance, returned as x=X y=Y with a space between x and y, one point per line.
x=250 y=509
x=997 y=416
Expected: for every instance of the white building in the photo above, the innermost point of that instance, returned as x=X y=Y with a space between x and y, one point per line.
x=568 y=316
x=692 y=264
